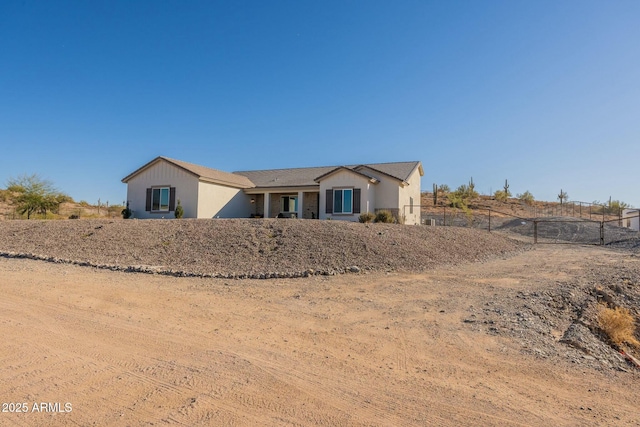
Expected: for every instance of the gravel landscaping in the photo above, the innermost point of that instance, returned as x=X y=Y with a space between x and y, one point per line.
x=249 y=248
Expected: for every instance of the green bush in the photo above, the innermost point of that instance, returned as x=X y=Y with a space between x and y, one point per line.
x=526 y=197
x=385 y=216
x=126 y=212
x=366 y=217
x=461 y=197
x=501 y=196
x=179 y=213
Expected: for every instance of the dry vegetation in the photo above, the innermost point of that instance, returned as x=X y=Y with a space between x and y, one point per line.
x=618 y=324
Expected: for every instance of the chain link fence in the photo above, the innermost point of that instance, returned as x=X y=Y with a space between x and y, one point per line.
x=546 y=229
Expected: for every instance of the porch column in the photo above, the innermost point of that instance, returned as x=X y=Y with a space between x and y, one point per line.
x=300 y=203
x=267 y=203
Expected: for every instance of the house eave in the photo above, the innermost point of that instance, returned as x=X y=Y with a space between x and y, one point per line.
x=221 y=182
x=283 y=189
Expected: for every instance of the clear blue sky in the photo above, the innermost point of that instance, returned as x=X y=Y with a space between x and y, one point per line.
x=544 y=93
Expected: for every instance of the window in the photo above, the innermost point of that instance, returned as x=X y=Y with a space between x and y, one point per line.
x=410 y=205
x=343 y=201
x=160 y=199
x=289 y=203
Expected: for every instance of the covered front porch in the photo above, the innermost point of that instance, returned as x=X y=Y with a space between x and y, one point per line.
x=285 y=204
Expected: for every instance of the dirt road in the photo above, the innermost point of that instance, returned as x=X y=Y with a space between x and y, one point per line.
x=107 y=348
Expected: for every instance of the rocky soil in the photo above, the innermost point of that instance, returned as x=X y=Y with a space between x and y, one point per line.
x=243 y=248
x=559 y=318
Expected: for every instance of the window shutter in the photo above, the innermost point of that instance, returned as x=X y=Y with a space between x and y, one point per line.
x=172 y=198
x=356 y=200
x=148 y=205
x=329 y=202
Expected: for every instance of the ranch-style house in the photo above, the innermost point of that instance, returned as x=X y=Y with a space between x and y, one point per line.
x=328 y=192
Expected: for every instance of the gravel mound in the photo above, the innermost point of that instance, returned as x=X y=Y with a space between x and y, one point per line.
x=566 y=313
x=249 y=248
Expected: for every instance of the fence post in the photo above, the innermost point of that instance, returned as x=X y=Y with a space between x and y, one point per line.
x=620 y=217
x=535 y=231
x=489 y=220
x=444 y=217
x=602 y=233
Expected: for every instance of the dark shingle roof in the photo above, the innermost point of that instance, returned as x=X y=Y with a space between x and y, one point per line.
x=306 y=176
x=294 y=177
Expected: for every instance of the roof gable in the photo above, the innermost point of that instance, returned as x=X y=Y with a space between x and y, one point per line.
x=370 y=178
x=398 y=170
x=203 y=173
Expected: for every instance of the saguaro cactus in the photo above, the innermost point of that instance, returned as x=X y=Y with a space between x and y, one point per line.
x=435 y=194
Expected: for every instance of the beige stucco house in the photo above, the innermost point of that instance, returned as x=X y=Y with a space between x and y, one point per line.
x=336 y=192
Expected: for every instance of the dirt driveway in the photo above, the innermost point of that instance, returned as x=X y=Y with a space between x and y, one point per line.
x=106 y=348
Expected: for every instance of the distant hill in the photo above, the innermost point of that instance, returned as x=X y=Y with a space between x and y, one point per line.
x=517 y=208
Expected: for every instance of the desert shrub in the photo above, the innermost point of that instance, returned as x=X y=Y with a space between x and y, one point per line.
x=618 y=324
x=126 y=212
x=114 y=210
x=461 y=197
x=501 y=196
x=444 y=188
x=83 y=203
x=526 y=197
x=384 y=216
x=366 y=217
x=179 y=213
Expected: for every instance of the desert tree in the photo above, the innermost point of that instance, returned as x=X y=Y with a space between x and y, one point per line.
x=32 y=194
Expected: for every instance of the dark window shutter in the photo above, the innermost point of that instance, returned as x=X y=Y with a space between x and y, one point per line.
x=329 y=202
x=356 y=200
x=172 y=199
x=148 y=205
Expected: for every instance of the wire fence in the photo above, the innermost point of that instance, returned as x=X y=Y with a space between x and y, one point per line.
x=618 y=231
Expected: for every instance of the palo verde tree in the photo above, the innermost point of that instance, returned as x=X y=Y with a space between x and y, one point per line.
x=32 y=194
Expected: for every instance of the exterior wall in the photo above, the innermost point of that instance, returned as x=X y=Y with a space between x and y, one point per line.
x=310 y=205
x=390 y=195
x=346 y=179
x=258 y=204
x=219 y=201
x=630 y=219
x=387 y=192
x=406 y=193
x=163 y=174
